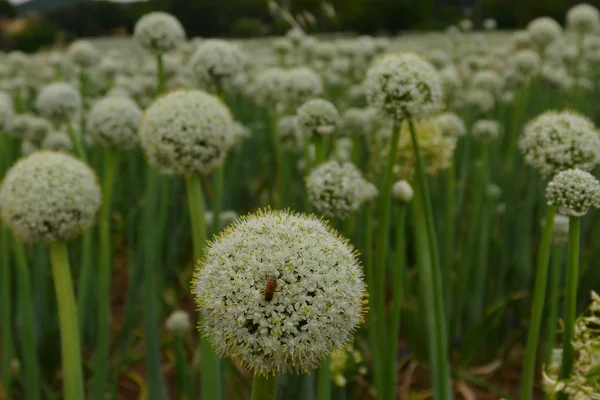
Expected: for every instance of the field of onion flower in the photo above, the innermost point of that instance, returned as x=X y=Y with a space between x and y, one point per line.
x=363 y=217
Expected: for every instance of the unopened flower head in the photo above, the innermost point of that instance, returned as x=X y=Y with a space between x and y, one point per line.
x=402 y=192
x=58 y=102
x=187 y=132
x=450 y=124
x=543 y=31
x=486 y=130
x=216 y=60
x=335 y=189
x=159 y=32
x=57 y=141
x=30 y=127
x=49 y=197
x=280 y=291
x=583 y=18
x=574 y=191
x=178 y=322
x=317 y=117
x=357 y=122
x=557 y=141
x=83 y=53
x=403 y=86
x=114 y=122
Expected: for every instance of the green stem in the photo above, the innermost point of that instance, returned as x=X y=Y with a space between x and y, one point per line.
x=217 y=199
x=380 y=259
x=160 y=75
x=28 y=325
x=83 y=92
x=397 y=290
x=264 y=387
x=84 y=281
x=101 y=360
x=76 y=141
x=324 y=380
x=67 y=316
x=553 y=300
x=441 y=366
x=537 y=311
x=320 y=150
x=450 y=227
x=570 y=312
x=210 y=379
x=5 y=309
x=277 y=162
x=183 y=389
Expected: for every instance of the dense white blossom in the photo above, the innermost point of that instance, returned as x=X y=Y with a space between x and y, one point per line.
x=114 y=122
x=317 y=117
x=58 y=102
x=486 y=130
x=159 y=32
x=574 y=191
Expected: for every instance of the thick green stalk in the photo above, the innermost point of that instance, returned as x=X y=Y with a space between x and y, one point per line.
x=210 y=378
x=160 y=75
x=449 y=237
x=441 y=366
x=264 y=387
x=5 y=309
x=324 y=388
x=76 y=141
x=184 y=390
x=67 y=316
x=397 y=290
x=217 y=199
x=553 y=300
x=539 y=291
x=150 y=295
x=320 y=150
x=84 y=281
x=385 y=198
x=28 y=325
x=101 y=358
x=570 y=311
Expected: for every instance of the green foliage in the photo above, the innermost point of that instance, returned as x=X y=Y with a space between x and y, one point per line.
x=39 y=33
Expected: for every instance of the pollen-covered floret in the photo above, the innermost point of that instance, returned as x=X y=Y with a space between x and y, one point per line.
x=159 y=32
x=557 y=141
x=574 y=191
x=318 y=302
x=114 y=122
x=486 y=130
x=49 y=197
x=317 y=117
x=187 y=132
x=335 y=189
x=58 y=102
x=403 y=86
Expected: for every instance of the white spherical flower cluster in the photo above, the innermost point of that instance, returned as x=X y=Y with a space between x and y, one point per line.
x=58 y=102
x=357 y=122
x=402 y=192
x=557 y=141
x=57 y=141
x=7 y=115
x=159 y=32
x=486 y=130
x=543 y=31
x=521 y=40
x=268 y=87
x=527 y=62
x=583 y=18
x=114 y=122
x=450 y=124
x=49 y=197
x=335 y=189
x=317 y=117
x=187 y=132
x=302 y=84
x=279 y=291
x=403 y=86
x=574 y=191
x=479 y=100
x=83 y=53
x=489 y=24
x=178 y=322
x=290 y=138
x=488 y=80
x=369 y=192
x=30 y=127
x=439 y=58
x=216 y=60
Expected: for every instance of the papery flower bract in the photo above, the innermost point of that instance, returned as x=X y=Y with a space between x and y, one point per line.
x=49 y=197
x=187 y=132
x=114 y=122
x=556 y=141
x=318 y=303
x=403 y=86
x=574 y=191
x=159 y=32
